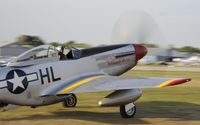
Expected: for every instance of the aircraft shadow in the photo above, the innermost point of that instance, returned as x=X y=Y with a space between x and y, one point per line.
x=175 y=111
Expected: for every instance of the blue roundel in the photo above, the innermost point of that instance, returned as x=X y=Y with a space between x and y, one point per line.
x=16 y=81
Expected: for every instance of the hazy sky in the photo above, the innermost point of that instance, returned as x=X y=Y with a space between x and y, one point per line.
x=92 y=21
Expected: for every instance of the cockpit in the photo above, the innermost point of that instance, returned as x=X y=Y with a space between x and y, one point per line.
x=40 y=52
x=43 y=54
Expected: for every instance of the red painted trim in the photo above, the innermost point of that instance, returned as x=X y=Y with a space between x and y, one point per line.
x=140 y=51
x=178 y=81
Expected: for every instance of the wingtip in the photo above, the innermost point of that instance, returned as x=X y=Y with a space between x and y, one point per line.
x=179 y=81
x=174 y=82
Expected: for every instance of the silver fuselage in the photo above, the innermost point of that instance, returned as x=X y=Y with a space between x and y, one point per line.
x=43 y=75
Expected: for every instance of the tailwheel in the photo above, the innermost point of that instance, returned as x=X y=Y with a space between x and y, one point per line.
x=70 y=101
x=128 y=110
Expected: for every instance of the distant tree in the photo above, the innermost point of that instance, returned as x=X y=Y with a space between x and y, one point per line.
x=188 y=49
x=76 y=44
x=71 y=44
x=149 y=45
x=29 y=40
x=55 y=44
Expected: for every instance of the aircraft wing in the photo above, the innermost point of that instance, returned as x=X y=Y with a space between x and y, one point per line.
x=101 y=82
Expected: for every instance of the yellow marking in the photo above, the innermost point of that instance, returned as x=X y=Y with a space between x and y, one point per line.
x=164 y=83
x=75 y=85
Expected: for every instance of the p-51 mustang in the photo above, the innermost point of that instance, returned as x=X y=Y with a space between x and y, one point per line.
x=40 y=77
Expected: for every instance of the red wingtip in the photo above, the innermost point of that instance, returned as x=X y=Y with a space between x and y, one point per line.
x=179 y=81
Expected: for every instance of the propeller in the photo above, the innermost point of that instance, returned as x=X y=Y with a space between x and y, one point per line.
x=137 y=27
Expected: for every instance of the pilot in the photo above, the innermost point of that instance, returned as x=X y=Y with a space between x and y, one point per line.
x=61 y=53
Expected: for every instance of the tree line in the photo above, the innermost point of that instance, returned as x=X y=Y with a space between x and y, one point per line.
x=36 y=41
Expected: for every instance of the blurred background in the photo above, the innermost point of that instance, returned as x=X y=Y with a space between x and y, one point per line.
x=169 y=29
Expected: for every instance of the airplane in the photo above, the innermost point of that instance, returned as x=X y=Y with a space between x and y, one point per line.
x=41 y=76
x=193 y=60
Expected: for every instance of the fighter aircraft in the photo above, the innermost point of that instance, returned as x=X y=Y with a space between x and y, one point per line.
x=44 y=76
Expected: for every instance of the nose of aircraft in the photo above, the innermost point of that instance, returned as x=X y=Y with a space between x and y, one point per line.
x=140 y=51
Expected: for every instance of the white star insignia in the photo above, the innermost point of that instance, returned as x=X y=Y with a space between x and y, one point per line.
x=17 y=81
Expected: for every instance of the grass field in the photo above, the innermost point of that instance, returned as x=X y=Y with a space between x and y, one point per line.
x=172 y=105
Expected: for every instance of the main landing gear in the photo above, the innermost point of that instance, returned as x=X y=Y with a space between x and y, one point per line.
x=70 y=101
x=128 y=110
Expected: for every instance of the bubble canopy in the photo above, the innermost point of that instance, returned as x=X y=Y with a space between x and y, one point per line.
x=43 y=51
x=44 y=54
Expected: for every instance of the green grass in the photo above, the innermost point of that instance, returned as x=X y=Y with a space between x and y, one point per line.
x=170 y=105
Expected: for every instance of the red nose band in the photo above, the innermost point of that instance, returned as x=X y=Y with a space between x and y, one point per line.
x=140 y=51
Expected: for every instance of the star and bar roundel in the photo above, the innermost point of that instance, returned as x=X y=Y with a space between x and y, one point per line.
x=17 y=81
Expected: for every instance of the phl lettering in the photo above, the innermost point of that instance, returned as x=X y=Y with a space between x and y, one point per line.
x=46 y=74
x=53 y=77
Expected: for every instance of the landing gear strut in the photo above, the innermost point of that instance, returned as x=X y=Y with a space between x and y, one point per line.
x=128 y=110
x=70 y=101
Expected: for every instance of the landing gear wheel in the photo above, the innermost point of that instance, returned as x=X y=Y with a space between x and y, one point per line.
x=70 y=101
x=128 y=111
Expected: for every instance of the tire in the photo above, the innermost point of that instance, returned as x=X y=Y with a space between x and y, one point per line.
x=127 y=114
x=70 y=101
